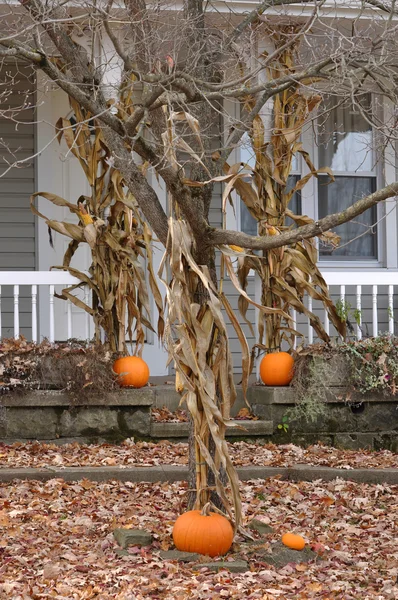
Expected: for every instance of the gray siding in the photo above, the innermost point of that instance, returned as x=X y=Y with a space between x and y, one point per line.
x=231 y=292
x=17 y=223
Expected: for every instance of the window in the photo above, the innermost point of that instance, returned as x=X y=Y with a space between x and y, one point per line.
x=345 y=143
x=248 y=224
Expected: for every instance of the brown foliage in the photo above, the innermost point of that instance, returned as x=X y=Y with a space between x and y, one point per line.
x=197 y=340
x=82 y=370
x=110 y=222
x=288 y=272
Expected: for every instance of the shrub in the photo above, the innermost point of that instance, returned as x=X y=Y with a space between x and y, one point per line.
x=83 y=370
x=358 y=367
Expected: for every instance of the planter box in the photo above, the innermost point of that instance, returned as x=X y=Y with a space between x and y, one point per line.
x=48 y=415
x=369 y=421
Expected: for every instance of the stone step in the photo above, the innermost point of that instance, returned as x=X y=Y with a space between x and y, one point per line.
x=240 y=429
x=166 y=396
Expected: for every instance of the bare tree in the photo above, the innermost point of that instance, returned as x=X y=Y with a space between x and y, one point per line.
x=160 y=83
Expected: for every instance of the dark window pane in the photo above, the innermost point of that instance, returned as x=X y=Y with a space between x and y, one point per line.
x=295 y=202
x=337 y=196
x=249 y=223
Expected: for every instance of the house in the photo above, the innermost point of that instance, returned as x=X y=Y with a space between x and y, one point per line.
x=362 y=273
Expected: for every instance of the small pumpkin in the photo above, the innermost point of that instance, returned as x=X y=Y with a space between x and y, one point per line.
x=296 y=542
x=132 y=371
x=203 y=532
x=276 y=368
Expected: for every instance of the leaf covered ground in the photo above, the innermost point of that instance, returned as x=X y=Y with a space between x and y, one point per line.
x=56 y=542
x=130 y=453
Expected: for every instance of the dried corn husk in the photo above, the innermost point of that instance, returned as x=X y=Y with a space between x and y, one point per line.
x=286 y=273
x=197 y=340
x=120 y=244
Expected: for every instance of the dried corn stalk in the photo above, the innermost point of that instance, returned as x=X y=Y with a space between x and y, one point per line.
x=288 y=272
x=197 y=340
x=120 y=241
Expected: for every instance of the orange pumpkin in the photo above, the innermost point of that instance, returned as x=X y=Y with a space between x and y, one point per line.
x=277 y=368
x=203 y=532
x=132 y=371
x=296 y=542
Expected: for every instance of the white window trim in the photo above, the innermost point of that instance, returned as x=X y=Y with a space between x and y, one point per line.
x=232 y=218
x=386 y=253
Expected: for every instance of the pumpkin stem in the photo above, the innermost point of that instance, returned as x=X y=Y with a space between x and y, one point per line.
x=206 y=509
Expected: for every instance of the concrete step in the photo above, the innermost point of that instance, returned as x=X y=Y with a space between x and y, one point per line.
x=237 y=429
x=166 y=395
x=172 y=473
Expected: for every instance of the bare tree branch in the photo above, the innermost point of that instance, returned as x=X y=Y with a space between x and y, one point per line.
x=128 y=64
x=195 y=91
x=269 y=89
x=75 y=57
x=383 y=6
x=135 y=180
x=253 y=16
x=220 y=236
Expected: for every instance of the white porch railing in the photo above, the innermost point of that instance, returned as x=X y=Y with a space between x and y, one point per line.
x=46 y=281
x=372 y=281
x=352 y=283
x=357 y=283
